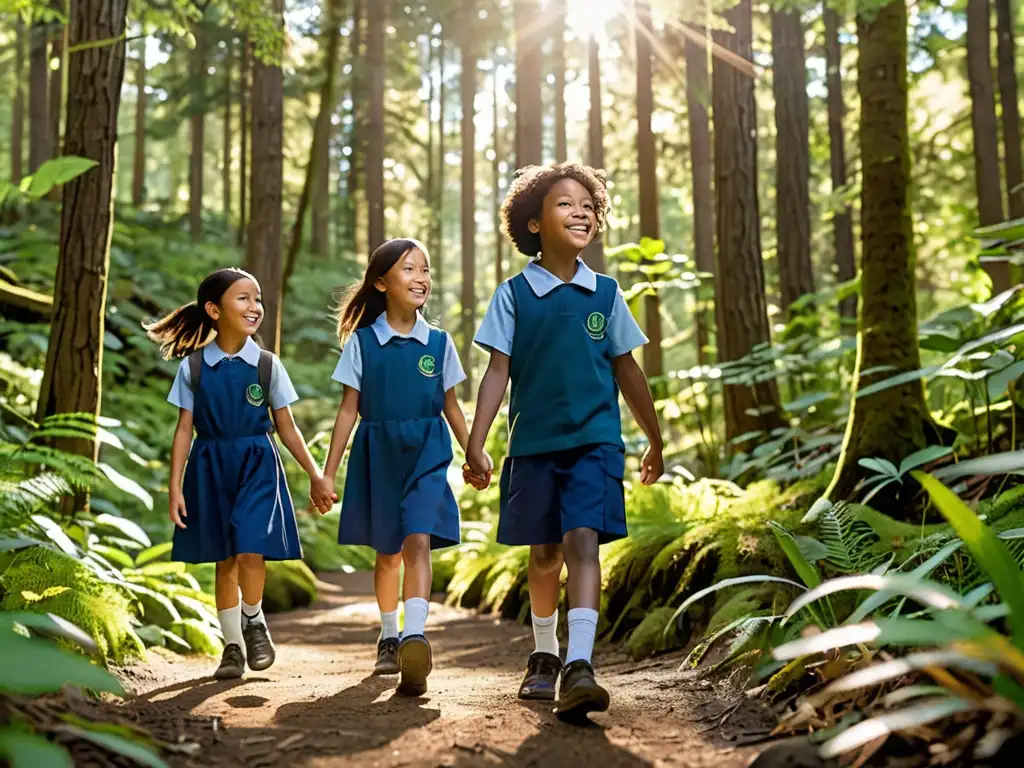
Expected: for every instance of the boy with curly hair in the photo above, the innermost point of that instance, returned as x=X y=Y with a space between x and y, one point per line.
x=565 y=337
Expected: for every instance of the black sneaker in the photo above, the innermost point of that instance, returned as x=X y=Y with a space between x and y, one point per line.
x=578 y=692
x=232 y=663
x=541 y=676
x=415 y=661
x=259 y=648
x=387 y=657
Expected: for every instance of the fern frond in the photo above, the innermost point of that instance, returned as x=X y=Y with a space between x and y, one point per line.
x=848 y=541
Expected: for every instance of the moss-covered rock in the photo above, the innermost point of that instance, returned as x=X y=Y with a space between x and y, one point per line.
x=199 y=635
x=650 y=636
x=290 y=584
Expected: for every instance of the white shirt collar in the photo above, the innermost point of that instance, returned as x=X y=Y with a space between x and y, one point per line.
x=250 y=353
x=385 y=333
x=543 y=282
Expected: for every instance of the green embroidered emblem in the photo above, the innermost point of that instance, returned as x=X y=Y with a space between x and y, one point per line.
x=427 y=365
x=596 y=325
x=254 y=394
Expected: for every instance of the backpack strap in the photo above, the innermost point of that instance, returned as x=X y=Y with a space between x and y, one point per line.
x=265 y=373
x=195 y=370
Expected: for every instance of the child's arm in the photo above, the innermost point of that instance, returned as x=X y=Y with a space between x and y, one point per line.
x=457 y=419
x=343 y=424
x=179 y=455
x=633 y=383
x=488 y=401
x=296 y=445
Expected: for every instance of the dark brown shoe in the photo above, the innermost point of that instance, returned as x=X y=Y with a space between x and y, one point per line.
x=232 y=663
x=579 y=693
x=415 y=661
x=541 y=676
x=387 y=657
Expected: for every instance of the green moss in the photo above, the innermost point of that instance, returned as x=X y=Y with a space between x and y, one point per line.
x=200 y=636
x=98 y=608
x=290 y=584
x=650 y=636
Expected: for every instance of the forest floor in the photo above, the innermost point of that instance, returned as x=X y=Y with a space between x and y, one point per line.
x=319 y=706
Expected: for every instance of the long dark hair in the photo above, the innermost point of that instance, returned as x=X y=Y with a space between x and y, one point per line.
x=364 y=303
x=190 y=327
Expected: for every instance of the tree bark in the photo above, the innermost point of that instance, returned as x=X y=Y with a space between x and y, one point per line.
x=499 y=241
x=428 y=191
x=139 y=155
x=243 y=136
x=197 y=61
x=891 y=423
x=983 y=122
x=375 y=57
x=321 y=136
x=740 y=306
x=698 y=94
x=647 y=167
x=442 y=172
x=593 y=255
x=56 y=105
x=357 y=84
x=467 y=91
x=74 y=357
x=225 y=166
x=558 y=12
x=1008 y=99
x=320 y=222
x=18 y=106
x=842 y=221
x=529 y=109
x=39 y=150
x=792 y=157
x=263 y=253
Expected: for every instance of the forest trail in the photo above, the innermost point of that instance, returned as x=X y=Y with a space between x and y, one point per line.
x=319 y=706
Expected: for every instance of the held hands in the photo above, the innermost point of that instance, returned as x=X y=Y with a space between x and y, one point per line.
x=321 y=492
x=652 y=465
x=176 y=508
x=478 y=468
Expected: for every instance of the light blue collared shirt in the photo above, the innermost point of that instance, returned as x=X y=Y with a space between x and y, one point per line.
x=499 y=324
x=282 y=393
x=349 y=370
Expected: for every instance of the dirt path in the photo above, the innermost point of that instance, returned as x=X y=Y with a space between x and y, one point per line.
x=318 y=706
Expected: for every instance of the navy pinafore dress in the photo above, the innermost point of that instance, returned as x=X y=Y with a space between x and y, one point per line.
x=236 y=494
x=397 y=479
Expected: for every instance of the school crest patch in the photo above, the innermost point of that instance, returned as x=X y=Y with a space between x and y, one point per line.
x=427 y=365
x=254 y=395
x=596 y=326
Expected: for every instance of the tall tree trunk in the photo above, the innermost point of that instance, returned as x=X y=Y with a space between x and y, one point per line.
x=792 y=157
x=263 y=252
x=428 y=191
x=842 y=222
x=467 y=91
x=698 y=94
x=357 y=83
x=139 y=155
x=594 y=253
x=889 y=424
x=375 y=58
x=320 y=222
x=983 y=122
x=56 y=94
x=740 y=306
x=74 y=357
x=529 y=109
x=1008 y=99
x=648 y=172
x=197 y=61
x=18 y=107
x=321 y=137
x=442 y=173
x=39 y=150
x=558 y=12
x=499 y=241
x=243 y=136
x=225 y=166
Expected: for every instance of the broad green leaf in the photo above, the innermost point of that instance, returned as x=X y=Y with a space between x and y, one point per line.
x=34 y=667
x=55 y=533
x=881 y=466
x=116 y=557
x=154 y=553
x=729 y=583
x=927 y=593
x=129 y=528
x=924 y=456
x=29 y=750
x=812 y=549
x=878 y=727
x=998 y=382
x=58 y=171
x=1010 y=462
x=989 y=552
x=896 y=668
x=805 y=402
x=895 y=381
x=136 y=751
x=50 y=625
x=16 y=543
x=127 y=485
x=807 y=572
x=817 y=509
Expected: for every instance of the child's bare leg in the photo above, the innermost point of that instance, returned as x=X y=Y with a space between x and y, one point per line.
x=544 y=575
x=229 y=611
x=226 y=585
x=584 y=565
x=252 y=576
x=386 y=570
x=414 y=656
x=418 y=568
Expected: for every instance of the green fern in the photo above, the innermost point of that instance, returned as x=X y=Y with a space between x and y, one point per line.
x=848 y=541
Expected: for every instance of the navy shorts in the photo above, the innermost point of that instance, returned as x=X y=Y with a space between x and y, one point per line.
x=545 y=496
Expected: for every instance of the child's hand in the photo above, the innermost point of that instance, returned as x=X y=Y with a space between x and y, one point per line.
x=321 y=493
x=652 y=465
x=478 y=469
x=176 y=509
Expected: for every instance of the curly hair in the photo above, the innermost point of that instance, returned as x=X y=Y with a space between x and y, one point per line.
x=525 y=199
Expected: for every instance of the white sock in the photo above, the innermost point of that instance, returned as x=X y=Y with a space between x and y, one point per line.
x=389 y=624
x=253 y=614
x=416 y=610
x=231 y=626
x=582 y=628
x=544 y=633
